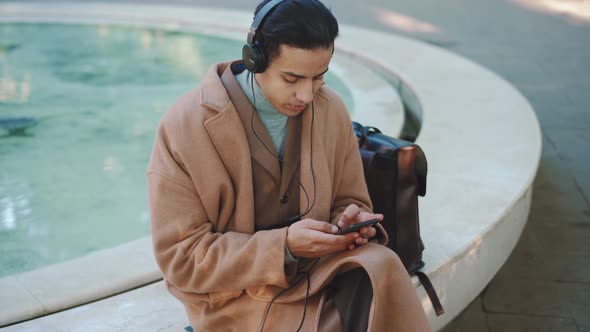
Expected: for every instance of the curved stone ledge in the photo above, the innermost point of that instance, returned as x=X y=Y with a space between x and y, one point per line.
x=481 y=137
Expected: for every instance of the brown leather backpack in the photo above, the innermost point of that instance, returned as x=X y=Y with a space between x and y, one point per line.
x=395 y=172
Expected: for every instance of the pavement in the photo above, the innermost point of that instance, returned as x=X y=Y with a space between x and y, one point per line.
x=543 y=48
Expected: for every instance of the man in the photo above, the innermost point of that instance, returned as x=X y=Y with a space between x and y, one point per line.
x=251 y=176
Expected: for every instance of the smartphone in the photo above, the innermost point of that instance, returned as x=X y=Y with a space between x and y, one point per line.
x=357 y=227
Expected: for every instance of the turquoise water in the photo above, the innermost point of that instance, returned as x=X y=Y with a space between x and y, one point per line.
x=75 y=183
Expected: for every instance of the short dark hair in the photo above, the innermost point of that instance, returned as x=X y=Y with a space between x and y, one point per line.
x=305 y=24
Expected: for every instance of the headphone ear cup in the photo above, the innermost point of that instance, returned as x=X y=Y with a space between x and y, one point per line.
x=254 y=58
x=249 y=58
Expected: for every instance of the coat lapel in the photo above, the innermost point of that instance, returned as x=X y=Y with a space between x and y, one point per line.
x=315 y=175
x=292 y=154
x=225 y=128
x=261 y=146
x=232 y=125
x=229 y=139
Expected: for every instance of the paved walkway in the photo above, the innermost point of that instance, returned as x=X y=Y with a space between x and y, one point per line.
x=545 y=285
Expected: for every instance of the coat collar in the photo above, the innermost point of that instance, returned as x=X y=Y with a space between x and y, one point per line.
x=261 y=145
x=212 y=91
x=215 y=97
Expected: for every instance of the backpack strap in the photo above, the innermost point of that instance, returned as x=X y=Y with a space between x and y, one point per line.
x=361 y=133
x=431 y=292
x=421 y=170
x=372 y=130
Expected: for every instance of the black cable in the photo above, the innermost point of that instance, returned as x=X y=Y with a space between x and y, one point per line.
x=267 y=309
x=292 y=219
x=308 y=206
x=295 y=218
x=311 y=155
x=305 y=303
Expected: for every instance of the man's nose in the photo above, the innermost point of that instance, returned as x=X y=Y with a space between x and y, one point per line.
x=304 y=92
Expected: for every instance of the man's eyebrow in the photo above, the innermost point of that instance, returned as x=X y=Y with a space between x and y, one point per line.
x=301 y=76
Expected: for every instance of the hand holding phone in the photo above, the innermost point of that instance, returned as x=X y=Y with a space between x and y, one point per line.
x=357 y=227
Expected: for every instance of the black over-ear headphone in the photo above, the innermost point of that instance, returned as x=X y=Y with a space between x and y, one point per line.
x=253 y=54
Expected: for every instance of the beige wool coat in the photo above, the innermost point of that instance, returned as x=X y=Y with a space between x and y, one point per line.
x=201 y=191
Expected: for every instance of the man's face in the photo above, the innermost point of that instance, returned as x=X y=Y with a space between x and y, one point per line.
x=293 y=77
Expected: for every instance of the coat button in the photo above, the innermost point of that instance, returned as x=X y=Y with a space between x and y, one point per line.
x=285 y=199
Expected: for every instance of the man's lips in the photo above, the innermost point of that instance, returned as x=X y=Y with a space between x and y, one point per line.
x=297 y=108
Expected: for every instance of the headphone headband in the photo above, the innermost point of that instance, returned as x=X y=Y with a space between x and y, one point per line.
x=260 y=16
x=253 y=54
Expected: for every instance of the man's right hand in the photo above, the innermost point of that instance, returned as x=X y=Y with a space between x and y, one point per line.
x=310 y=238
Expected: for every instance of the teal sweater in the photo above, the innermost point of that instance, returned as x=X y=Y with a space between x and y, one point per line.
x=275 y=122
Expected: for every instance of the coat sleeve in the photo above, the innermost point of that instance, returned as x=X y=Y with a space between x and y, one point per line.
x=349 y=180
x=191 y=256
